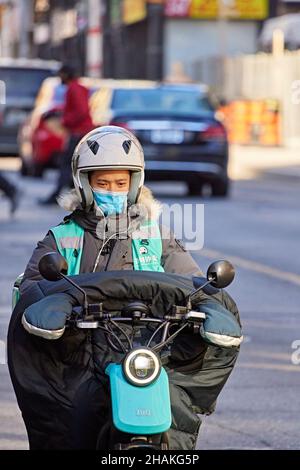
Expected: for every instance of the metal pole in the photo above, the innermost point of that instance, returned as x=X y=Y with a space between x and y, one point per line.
x=155 y=40
x=94 y=41
x=26 y=20
x=223 y=25
x=273 y=8
x=9 y=27
x=6 y=39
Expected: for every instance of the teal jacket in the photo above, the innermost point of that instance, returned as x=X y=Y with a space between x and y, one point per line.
x=146 y=246
x=117 y=254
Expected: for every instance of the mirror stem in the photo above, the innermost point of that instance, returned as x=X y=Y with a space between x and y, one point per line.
x=190 y=297
x=85 y=301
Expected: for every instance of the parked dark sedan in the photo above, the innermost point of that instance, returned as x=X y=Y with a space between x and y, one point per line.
x=177 y=126
x=20 y=82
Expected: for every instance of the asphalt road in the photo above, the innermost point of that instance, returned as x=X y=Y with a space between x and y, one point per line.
x=258 y=230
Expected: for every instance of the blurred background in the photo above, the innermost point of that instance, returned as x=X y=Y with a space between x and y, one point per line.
x=212 y=90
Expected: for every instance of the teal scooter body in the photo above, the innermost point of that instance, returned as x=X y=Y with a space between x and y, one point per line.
x=139 y=410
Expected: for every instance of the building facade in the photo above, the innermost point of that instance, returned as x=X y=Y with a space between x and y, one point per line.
x=198 y=32
x=135 y=38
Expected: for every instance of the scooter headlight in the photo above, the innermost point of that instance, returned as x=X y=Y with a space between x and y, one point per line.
x=141 y=366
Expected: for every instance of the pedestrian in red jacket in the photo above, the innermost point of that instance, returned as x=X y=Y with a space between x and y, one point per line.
x=77 y=121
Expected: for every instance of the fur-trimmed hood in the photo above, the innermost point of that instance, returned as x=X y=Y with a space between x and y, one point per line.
x=70 y=201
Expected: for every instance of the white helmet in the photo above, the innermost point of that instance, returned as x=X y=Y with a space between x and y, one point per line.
x=107 y=148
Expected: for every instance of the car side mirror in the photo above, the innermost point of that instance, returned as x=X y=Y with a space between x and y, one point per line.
x=220 y=274
x=52 y=265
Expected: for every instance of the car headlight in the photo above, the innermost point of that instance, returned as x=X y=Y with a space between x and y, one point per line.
x=141 y=366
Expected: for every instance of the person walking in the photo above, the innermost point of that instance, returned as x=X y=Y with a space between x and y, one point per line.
x=11 y=192
x=77 y=121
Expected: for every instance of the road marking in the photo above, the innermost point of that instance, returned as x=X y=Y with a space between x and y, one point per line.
x=253 y=266
x=14 y=444
x=270 y=355
x=269 y=325
x=268 y=366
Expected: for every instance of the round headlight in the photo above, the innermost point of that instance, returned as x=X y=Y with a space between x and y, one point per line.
x=141 y=366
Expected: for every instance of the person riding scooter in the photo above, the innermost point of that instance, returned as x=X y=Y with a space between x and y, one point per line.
x=108 y=175
x=113 y=226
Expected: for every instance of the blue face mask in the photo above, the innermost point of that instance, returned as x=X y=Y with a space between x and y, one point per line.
x=110 y=202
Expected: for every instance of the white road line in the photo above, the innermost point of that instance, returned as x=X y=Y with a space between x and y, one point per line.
x=253 y=266
x=268 y=366
x=269 y=325
x=271 y=355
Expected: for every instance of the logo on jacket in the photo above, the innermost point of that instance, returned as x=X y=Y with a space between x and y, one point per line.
x=143 y=250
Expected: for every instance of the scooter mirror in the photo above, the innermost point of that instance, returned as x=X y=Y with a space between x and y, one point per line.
x=52 y=266
x=220 y=274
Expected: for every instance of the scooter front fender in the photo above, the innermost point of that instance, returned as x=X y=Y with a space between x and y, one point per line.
x=139 y=410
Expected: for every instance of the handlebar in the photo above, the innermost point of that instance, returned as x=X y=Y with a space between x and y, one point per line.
x=95 y=321
x=90 y=324
x=219 y=274
x=105 y=321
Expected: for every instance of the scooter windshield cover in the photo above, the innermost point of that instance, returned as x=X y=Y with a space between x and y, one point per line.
x=139 y=410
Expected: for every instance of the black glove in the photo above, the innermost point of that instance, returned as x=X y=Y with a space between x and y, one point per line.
x=47 y=318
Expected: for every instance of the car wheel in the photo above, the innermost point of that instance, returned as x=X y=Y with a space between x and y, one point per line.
x=220 y=188
x=195 y=188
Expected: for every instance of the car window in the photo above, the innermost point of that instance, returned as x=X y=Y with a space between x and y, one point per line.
x=21 y=82
x=161 y=100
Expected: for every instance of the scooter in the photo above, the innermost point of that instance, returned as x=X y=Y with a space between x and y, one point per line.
x=139 y=385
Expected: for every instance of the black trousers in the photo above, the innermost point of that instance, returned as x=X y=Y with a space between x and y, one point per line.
x=7 y=187
x=65 y=172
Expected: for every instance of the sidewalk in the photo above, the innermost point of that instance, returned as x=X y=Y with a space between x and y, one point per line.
x=249 y=162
